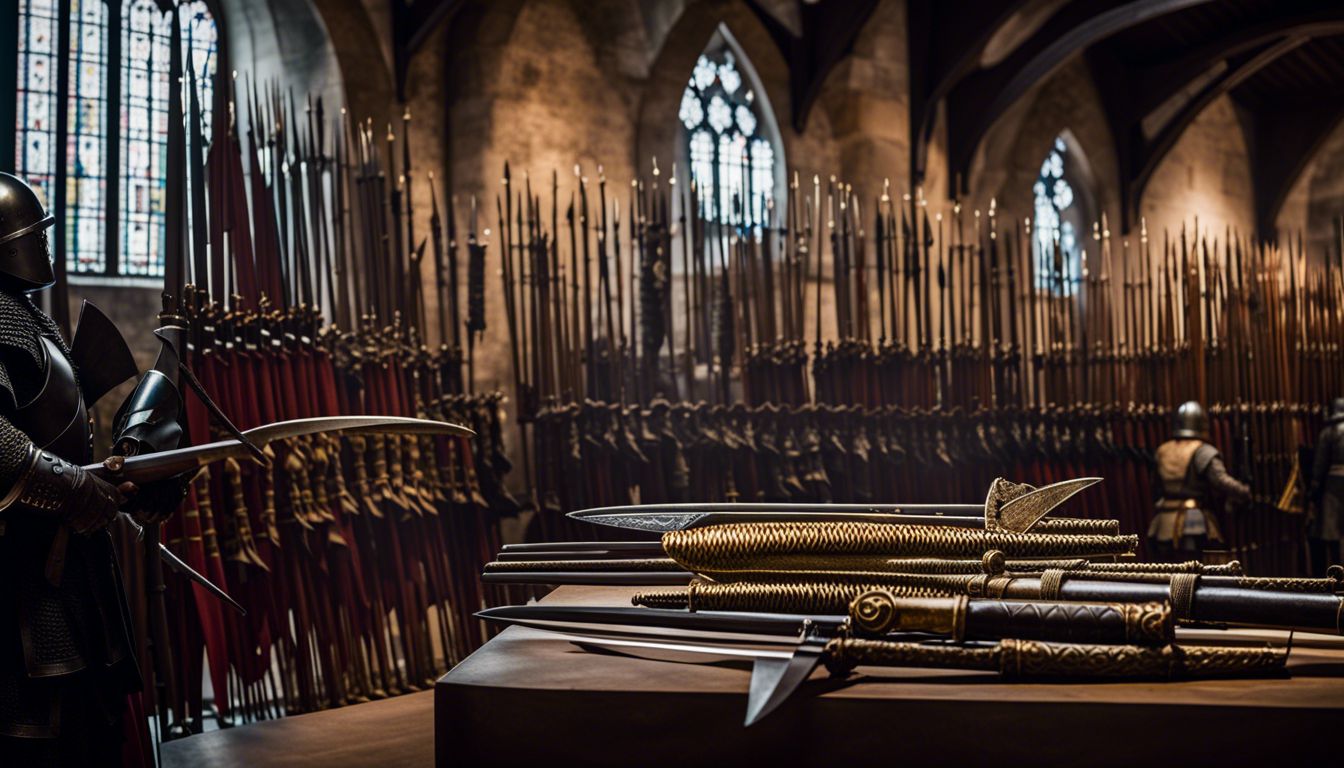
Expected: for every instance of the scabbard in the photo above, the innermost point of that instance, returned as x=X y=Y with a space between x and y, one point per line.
x=823 y=546
x=878 y=612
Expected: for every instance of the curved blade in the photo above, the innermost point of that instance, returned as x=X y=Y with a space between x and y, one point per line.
x=162 y=464
x=181 y=567
x=1020 y=514
x=773 y=681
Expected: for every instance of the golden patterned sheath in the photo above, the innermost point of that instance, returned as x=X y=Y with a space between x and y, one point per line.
x=833 y=546
x=1032 y=659
x=880 y=612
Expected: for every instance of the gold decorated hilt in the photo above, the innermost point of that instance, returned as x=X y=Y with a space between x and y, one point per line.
x=878 y=612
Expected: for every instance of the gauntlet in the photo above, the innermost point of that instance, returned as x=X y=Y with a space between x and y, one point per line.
x=49 y=485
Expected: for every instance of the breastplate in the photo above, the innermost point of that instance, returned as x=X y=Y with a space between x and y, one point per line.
x=55 y=419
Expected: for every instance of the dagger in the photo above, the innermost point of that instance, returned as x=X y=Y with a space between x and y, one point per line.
x=1008 y=506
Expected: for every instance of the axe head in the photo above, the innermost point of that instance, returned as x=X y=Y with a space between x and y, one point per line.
x=1016 y=507
x=100 y=354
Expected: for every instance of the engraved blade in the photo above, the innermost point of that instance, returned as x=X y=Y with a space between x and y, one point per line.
x=1020 y=514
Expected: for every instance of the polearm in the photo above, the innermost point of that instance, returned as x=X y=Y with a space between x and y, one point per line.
x=587 y=354
x=604 y=277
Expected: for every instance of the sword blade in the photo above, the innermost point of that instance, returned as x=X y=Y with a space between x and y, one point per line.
x=769 y=627
x=162 y=464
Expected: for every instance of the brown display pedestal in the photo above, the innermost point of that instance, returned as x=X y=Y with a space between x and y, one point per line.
x=529 y=697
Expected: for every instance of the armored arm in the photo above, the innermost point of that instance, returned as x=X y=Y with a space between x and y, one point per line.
x=1210 y=465
x=38 y=482
x=1320 y=464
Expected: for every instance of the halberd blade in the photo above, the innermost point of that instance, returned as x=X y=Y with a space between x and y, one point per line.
x=773 y=681
x=1024 y=511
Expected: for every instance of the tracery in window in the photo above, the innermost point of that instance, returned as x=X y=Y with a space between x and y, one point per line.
x=732 y=163
x=1059 y=217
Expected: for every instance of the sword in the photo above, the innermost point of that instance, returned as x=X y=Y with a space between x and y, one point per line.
x=164 y=464
x=149 y=467
x=1018 y=513
x=785 y=649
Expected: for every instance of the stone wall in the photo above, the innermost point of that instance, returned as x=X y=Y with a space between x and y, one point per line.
x=1206 y=175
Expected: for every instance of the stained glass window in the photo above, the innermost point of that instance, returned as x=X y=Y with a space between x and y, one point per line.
x=86 y=146
x=36 y=129
x=144 y=117
x=732 y=164
x=140 y=132
x=1058 y=218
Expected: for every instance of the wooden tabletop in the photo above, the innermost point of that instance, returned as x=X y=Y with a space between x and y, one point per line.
x=530 y=695
x=391 y=733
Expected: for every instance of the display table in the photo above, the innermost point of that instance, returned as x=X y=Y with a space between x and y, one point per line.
x=531 y=697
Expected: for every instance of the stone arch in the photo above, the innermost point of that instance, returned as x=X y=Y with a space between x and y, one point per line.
x=658 y=132
x=287 y=41
x=768 y=126
x=1067 y=104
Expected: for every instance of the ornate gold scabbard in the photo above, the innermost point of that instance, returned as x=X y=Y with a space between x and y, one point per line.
x=879 y=612
x=832 y=546
x=1030 y=658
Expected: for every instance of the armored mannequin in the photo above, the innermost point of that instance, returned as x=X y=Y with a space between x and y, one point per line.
x=1326 y=528
x=1190 y=472
x=66 y=661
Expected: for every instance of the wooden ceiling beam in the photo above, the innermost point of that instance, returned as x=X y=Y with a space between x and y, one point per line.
x=1282 y=144
x=976 y=102
x=1148 y=154
x=830 y=28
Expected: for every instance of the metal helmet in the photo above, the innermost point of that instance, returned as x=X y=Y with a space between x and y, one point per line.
x=25 y=259
x=1336 y=413
x=1191 y=421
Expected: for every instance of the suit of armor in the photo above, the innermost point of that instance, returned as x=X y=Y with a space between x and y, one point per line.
x=66 y=661
x=1326 y=529
x=1190 y=472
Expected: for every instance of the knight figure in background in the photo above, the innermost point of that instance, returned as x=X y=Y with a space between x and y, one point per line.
x=66 y=657
x=1326 y=527
x=1190 y=473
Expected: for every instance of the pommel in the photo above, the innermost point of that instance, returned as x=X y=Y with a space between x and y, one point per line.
x=878 y=611
x=994 y=562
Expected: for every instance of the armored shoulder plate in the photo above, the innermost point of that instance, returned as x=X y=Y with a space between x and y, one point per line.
x=55 y=419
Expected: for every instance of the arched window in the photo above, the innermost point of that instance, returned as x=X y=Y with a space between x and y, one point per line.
x=95 y=203
x=727 y=126
x=1062 y=208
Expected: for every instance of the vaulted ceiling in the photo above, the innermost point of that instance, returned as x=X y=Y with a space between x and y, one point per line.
x=1157 y=64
